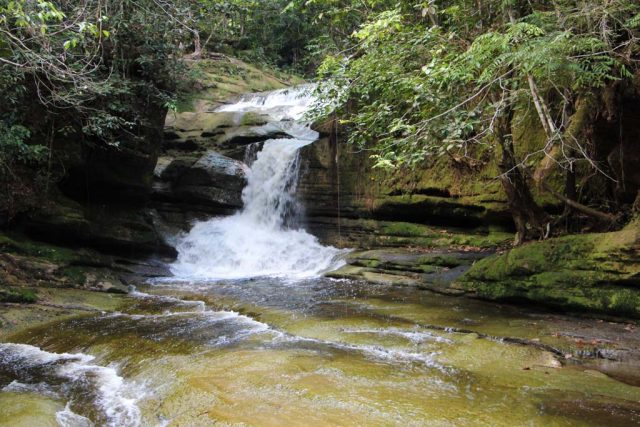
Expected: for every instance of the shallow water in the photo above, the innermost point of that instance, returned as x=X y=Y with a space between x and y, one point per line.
x=274 y=351
x=315 y=352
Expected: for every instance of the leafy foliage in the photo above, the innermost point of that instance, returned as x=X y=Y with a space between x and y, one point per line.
x=84 y=72
x=415 y=89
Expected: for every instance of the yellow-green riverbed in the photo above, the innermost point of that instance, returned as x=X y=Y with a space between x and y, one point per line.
x=321 y=352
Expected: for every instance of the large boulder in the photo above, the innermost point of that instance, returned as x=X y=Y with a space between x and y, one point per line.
x=215 y=170
x=96 y=171
x=246 y=135
x=592 y=272
x=198 y=187
x=117 y=228
x=228 y=133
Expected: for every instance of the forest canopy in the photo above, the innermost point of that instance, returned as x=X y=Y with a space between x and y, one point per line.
x=453 y=78
x=409 y=80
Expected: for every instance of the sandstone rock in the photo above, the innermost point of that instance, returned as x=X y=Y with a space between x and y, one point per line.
x=588 y=272
x=127 y=230
x=161 y=165
x=214 y=169
x=249 y=135
x=351 y=190
x=174 y=168
x=188 y=188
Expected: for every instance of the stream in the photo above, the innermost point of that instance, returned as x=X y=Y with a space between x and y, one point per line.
x=247 y=331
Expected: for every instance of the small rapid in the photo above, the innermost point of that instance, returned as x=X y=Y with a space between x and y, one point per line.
x=263 y=239
x=74 y=377
x=281 y=105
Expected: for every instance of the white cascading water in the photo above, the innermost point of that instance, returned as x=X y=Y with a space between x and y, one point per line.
x=115 y=398
x=257 y=240
x=283 y=104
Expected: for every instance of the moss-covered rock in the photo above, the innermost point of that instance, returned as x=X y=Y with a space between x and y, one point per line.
x=114 y=227
x=221 y=78
x=26 y=263
x=28 y=409
x=433 y=269
x=369 y=233
x=591 y=272
x=17 y=295
x=15 y=243
x=436 y=194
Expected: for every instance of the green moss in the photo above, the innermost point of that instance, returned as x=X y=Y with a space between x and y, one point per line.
x=405 y=229
x=19 y=244
x=428 y=268
x=219 y=80
x=62 y=303
x=492 y=239
x=17 y=295
x=592 y=272
x=186 y=102
x=347 y=272
x=370 y=263
x=28 y=409
x=253 y=119
x=442 y=261
x=476 y=186
x=74 y=275
x=411 y=234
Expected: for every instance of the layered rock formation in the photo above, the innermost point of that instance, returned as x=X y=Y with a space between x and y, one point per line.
x=128 y=197
x=347 y=201
x=101 y=199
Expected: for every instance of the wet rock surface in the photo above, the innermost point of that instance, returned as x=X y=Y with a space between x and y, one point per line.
x=433 y=269
x=212 y=180
x=391 y=330
x=122 y=228
x=588 y=272
x=341 y=192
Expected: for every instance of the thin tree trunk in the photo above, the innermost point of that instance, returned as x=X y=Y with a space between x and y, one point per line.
x=577 y=123
x=570 y=191
x=605 y=217
x=197 y=47
x=542 y=109
x=206 y=42
x=529 y=218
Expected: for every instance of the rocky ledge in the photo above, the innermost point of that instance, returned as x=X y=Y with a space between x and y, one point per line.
x=595 y=273
x=598 y=273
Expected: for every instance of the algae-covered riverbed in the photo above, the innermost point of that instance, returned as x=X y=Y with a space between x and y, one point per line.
x=313 y=352
x=271 y=342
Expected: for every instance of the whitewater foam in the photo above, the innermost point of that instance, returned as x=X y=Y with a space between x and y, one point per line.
x=115 y=398
x=68 y=418
x=249 y=326
x=284 y=104
x=389 y=355
x=262 y=239
x=415 y=336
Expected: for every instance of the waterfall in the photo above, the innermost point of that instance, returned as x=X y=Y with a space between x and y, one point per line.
x=261 y=240
x=283 y=104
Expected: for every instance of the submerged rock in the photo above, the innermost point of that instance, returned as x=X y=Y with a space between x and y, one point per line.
x=433 y=270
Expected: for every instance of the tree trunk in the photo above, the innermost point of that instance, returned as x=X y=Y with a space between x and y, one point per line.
x=530 y=219
x=542 y=109
x=197 y=47
x=574 y=132
x=602 y=216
